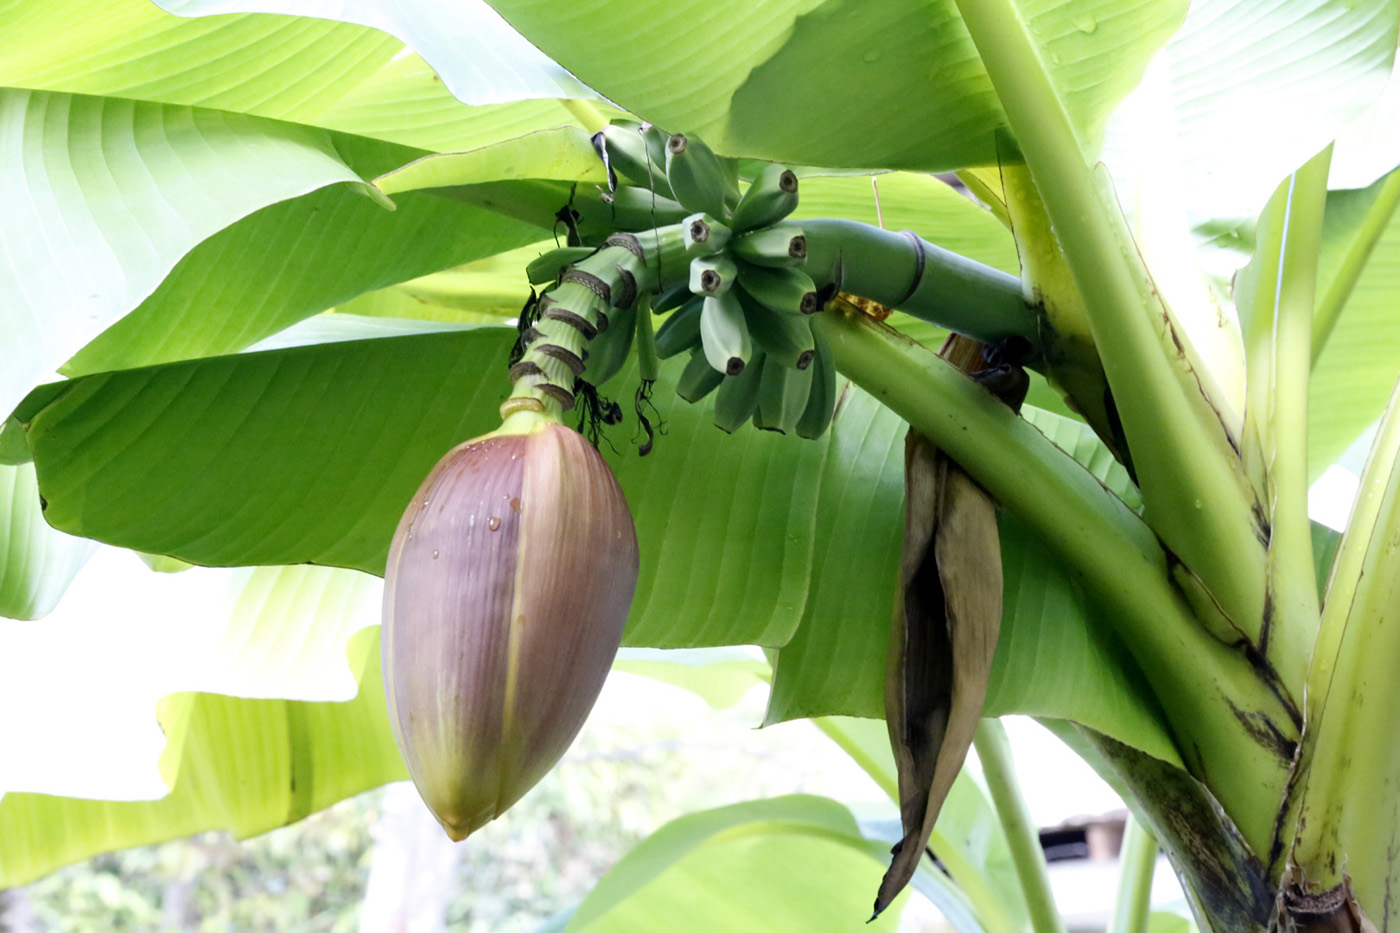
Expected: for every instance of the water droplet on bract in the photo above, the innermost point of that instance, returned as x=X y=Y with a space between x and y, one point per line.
x=435 y=553
x=493 y=523
x=1086 y=23
x=873 y=55
x=515 y=504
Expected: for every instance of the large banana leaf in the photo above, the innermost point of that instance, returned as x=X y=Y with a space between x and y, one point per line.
x=103 y=196
x=788 y=863
x=281 y=67
x=36 y=562
x=1353 y=377
x=95 y=671
x=243 y=765
x=490 y=61
x=899 y=85
x=1233 y=114
x=320 y=72
x=292 y=260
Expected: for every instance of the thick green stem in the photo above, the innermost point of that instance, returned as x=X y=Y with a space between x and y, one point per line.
x=1227 y=720
x=1278 y=313
x=1196 y=495
x=1329 y=305
x=1138 y=861
x=1347 y=800
x=999 y=770
x=903 y=272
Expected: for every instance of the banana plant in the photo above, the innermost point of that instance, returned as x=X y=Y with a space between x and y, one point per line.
x=262 y=272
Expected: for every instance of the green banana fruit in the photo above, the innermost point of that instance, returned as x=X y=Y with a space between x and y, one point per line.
x=782 y=397
x=704 y=235
x=696 y=175
x=607 y=352
x=785 y=338
x=671 y=297
x=724 y=334
x=680 y=331
x=781 y=244
x=821 y=401
x=656 y=138
x=628 y=208
x=698 y=379
x=624 y=151
x=545 y=269
x=771 y=197
x=782 y=288
x=712 y=275
x=737 y=398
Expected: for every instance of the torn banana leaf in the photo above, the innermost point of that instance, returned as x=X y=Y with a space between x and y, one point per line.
x=946 y=622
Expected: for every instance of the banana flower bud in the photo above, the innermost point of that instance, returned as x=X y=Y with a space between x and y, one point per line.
x=508 y=584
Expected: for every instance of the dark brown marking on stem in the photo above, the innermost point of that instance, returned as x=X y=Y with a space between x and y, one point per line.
x=589 y=281
x=919 y=261
x=629 y=242
x=563 y=355
x=627 y=290
x=1263 y=731
x=555 y=312
x=522 y=369
x=561 y=395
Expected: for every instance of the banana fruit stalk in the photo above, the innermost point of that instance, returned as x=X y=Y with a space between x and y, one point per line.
x=508 y=584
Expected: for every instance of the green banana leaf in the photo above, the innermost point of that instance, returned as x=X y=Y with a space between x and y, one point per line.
x=1240 y=120
x=269 y=66
x=292 y=260
x=787 y=863
x=899 y=83
x=1352 y=378
x=491 y=62
x=406 y=102
x=485 y=291
x=722 y=677
x=336 y=75
x=36 y=562
x=95 y=671
x=243 y=765
x=103 y=196
x=562 y=154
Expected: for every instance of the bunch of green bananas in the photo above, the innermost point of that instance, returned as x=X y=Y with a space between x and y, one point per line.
x=744 y=312
x=729 y=273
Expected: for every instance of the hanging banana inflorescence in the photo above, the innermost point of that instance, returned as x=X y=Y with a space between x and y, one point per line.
x=511 y=574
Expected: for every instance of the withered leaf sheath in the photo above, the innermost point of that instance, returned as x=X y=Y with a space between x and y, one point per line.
x=942 y=640
x=508 y=584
